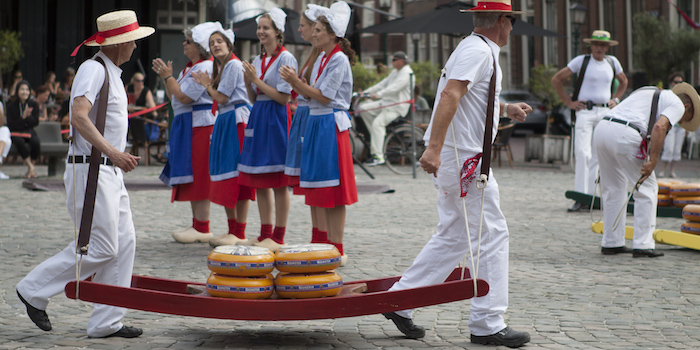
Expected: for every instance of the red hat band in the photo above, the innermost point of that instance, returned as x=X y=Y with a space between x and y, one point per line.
x=492 y=6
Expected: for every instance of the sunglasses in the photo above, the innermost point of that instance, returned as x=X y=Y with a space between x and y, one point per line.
x=395 y=59
x=677 y=81
x=18 y=77
x=138 y=80
x=512 y=19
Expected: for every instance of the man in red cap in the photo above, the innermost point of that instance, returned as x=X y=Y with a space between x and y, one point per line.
x=455 y=137
x=110 y=258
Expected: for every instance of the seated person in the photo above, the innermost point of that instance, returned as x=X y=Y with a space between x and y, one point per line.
x=421 y=102
x=22 y=117
x=5 y=143
x=396 y=87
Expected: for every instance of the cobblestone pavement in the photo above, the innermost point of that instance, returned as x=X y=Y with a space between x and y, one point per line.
x=562 y=290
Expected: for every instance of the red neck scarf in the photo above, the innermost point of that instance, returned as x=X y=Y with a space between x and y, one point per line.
x=215 y=105
x=263 y=67
x=324 y=61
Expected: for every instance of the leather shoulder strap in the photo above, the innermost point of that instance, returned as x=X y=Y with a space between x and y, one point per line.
x=652 y=115
x=94 y=170
x=488 y=129
x=579 y=79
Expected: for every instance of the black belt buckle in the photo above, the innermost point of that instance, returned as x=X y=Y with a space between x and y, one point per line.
x=589 y=105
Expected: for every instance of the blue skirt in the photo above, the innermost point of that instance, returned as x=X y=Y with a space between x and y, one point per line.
x=224 y=152
x=265 y=144
x=292 y=166
x=178 y=168
x=319 y=158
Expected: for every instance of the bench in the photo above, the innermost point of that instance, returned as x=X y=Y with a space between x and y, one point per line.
x=52 y=146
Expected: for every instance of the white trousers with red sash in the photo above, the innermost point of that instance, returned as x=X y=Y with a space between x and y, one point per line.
x=450 y=244
x=111 y=251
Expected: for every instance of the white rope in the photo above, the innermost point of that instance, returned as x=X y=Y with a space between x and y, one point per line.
x=618 y=219
x=597 y=189
x=466 y=221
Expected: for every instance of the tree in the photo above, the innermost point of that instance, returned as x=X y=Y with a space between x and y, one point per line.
x=658 y=50
x=10 y=51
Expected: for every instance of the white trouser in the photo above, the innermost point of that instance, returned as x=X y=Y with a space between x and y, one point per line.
x=586 y=159
x=450 y=244
x=673 y=144
x=376 y=121
x=5 y=137
x=110 y=255
x=617 y=147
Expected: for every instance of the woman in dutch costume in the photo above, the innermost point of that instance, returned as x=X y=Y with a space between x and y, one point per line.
x=292 y=168
x=265 y=145
x=187 y=168
x=327 y=173
x=227 y=89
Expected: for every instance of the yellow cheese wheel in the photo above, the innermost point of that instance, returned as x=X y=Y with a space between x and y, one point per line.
x=685 y=189
x=251 y=287
x=310 y=285
x=238 y=260
x=691 y=227
x=691 y=212
x=665 y=185
x=683 y=201
x=304 y=258
x=665 y=200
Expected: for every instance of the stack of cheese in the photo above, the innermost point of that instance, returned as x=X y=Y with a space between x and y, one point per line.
x=242 y=272
x=684 y=194
x=691 y=212
x=306 y=271
x=665 y=199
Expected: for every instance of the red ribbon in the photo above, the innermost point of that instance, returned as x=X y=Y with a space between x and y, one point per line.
x=492 y=6
x=264 y=68
x=100 y=37
x=144 y=111
x=215 y=104
x=327 y=58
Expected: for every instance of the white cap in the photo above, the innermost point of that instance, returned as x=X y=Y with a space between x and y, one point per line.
x=338 y=16
x=202 y=32
x=314 y=11
x=278 y=17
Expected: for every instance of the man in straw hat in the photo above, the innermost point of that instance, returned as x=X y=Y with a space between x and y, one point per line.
x=622 y=143
x=458 y=126
x=113 y=240
x=593 y=98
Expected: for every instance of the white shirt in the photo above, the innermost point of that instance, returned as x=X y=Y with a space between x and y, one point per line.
x=471 y=61
x=88 y=82
x=637 y=107
x=272 y=75
x=197 y=93
x=335 y=82
x=396 y=87
x=232 y=85
x=597 y=79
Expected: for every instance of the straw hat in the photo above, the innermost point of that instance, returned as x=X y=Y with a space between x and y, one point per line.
x=502 y=6
x=694 y=122
x=601 y=36
x=115 y=28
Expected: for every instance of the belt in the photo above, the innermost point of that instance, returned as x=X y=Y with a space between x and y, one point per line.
x=86 y=159
x=623 y=122
x=590 y=105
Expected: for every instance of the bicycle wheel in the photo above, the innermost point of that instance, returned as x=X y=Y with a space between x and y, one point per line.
x=398 y=148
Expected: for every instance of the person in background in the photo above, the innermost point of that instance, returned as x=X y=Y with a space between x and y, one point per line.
x=386 y=105
x=265 y=146
x=292 y=167
x=142 y=97
x=42 y=99
x=5 y=143
x=53 y=86
x=66 y=84
x=594 y=101
x=673 y=143
x=227 y=88
x=16 y=79
x=420 y=101
x=187 y=167
x=22 y=117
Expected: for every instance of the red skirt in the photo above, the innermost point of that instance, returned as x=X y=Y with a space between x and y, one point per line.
x=269 y=180
x=199 y=189
x=225 y=192
x=346 y=192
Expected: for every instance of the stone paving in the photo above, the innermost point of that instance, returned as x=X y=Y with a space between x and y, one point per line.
x=562 y=290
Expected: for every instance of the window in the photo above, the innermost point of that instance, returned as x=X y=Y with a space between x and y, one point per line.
x=177 y=14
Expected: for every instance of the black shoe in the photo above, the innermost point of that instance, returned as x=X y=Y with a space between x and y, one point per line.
x=126 y=332
x=615 y=250
x=578 y=207
x=406 y=326
x=646 y=253
x=39 y=317
x=507 y=337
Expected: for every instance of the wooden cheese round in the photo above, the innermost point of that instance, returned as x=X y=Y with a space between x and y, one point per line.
x=310 y=285
x=305 y=258
x=665 y=200
x=685 y=189
x=691 y=212
x=683 y=201
x=238 y=260
x=691 y=227
x=251 y=287
x=665 y=185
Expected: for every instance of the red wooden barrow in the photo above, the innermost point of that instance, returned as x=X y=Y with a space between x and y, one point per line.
x=358 y=298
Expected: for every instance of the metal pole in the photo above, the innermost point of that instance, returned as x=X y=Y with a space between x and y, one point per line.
x=413 y=128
